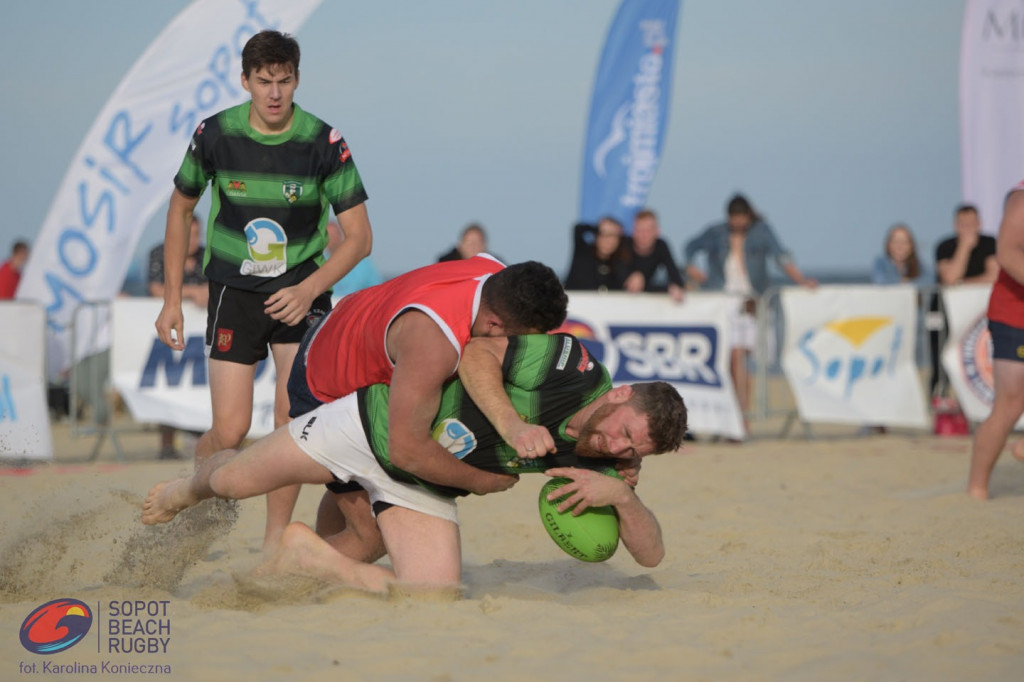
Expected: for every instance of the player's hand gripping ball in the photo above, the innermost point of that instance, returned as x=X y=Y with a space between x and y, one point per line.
x=591 y=536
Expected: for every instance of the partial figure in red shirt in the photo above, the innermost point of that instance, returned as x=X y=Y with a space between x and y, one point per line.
x=10 y=271
x=1006 y=325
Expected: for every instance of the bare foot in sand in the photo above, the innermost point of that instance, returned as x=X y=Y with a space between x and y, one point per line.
x=978 y=493
x=303 y=552
x=165 y=500
x=1018 y=450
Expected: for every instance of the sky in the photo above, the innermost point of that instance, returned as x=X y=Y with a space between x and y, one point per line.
x=836 y=119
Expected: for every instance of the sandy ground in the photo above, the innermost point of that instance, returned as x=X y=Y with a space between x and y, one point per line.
x=834 y=558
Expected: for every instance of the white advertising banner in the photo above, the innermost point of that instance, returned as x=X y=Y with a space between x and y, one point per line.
x=122 y=172
x=163 y=386
x=647 y=337
x=967 y=356
x=24 y=414
x=848 y=355
x=991 y=105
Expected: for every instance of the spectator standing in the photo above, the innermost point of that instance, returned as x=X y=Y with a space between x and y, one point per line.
x=10 y=271
x=654 y=269
x=601 y=258
x=194 y=288
x=737 y=253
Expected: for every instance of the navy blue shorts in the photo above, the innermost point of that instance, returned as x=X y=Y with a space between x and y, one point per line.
x=1007 y=341
x=300 y=397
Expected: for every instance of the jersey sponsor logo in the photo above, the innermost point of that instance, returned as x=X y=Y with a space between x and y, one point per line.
x=224 y=338
x=267 y=249
x=333 y=136
x=584 y=365
x=563 y=359
x=235 y=188
x=195 y=137
x=455 y=437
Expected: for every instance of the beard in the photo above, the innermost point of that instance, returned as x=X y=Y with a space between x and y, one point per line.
x=587 y=431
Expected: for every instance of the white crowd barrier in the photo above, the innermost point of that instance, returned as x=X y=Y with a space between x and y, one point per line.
x=847 y=354
x=163 y=386
x=647 y=337
x=24 y=414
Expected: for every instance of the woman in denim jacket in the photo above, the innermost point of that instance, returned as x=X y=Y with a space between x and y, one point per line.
x=738 y=251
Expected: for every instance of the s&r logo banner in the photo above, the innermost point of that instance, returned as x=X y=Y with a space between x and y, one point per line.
x=647 y=337
x=849 y=355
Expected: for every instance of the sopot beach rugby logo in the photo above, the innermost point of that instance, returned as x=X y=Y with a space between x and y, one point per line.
x=56 y=626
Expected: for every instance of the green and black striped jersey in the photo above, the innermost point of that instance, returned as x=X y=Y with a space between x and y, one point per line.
x=271 y=194
x=548 y=377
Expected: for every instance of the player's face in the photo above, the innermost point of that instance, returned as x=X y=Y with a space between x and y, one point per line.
x=617 y=431
x=272 y=89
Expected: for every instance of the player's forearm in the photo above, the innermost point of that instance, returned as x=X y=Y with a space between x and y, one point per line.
x=480 y=374
x=640 y=531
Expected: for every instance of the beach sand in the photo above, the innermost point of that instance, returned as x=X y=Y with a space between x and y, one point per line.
x=834 y=558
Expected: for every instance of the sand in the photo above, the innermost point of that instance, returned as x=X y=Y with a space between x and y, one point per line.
x=836 y=558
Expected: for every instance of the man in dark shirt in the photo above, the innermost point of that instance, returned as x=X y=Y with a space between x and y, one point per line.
x=653 y=267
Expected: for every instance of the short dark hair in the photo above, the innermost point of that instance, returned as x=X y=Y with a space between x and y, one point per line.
x=268 y=48
x=526 y=296
x=965 y=208
x=666 y=413
x=20 y=246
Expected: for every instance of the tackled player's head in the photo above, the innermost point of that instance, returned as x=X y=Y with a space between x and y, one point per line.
x=527 y=297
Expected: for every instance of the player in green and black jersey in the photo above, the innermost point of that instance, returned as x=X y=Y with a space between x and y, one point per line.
x=276 y=173
x=549 y=379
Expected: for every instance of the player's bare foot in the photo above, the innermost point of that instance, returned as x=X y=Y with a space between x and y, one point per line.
x=1018 y=450
x=303 y=552
x=165 y=500
x=977 y=493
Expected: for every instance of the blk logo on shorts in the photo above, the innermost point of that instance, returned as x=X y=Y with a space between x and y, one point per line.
x=305 y=429
x=224 y=338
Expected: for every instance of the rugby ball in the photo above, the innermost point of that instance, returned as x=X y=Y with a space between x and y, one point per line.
x=591 y=536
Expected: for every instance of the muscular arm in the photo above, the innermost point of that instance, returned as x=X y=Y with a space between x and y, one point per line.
x=291 y=304
x=424 y=358
x=176 y=235
x=480 y=373
x=639 y=530
x=1010 y=243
